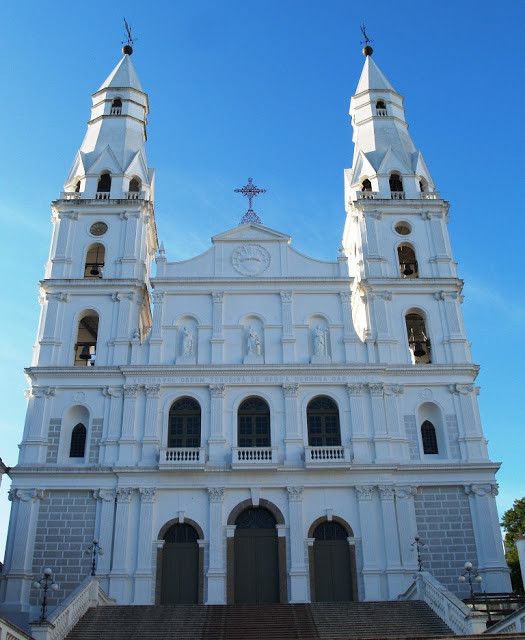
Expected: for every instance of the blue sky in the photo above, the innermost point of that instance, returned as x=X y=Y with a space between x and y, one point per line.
x=241 y=89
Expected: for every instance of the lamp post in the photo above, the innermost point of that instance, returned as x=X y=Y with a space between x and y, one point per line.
x=470 y=576
x=418 y=545
x=95 y=550
x=45 y=583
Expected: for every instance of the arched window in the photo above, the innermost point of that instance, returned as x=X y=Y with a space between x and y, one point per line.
x=184 y=427
x=418 y=342
x=104 y=187
x=423 y=187
x=134 y=185
x=253 y=423
x=366 y=185
x=86 y=344
x=77 y=187
x=396 y=184
x=429 y=438
x=380 y=108
x=94 y=261
x=407 y=261
x=78 y=441
x=322 y=418
x=116 y=107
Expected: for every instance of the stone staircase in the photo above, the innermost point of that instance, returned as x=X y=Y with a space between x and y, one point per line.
x=319 y=621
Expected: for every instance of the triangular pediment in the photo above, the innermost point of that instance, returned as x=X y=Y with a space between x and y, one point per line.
x=392 y=161
x=363 y=167
x=137 y=167
x=421 y=169
x=106 y=160
x=251 y=231
x=77 y=170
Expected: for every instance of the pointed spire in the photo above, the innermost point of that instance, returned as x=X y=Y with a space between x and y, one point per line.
x=123 y=75
x=382 y=143
x=115 y=139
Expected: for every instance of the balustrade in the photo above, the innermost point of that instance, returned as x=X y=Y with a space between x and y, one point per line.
x=177 y=457
x=258 y=456
x=326 y=456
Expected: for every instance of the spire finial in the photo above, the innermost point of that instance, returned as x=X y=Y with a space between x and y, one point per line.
x=367 y=49
x=127 y=49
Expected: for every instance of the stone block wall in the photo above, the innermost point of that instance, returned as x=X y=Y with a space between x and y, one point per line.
x=453 y=437
x=96 y=435
x=444 y=524
x=65 y=528
x=413 y=441
x=53 y=437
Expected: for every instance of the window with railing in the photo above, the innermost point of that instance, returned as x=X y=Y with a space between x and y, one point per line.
x=184 y=425
x=381 y=108
x=322 y=417
x=396 y=187
x=116 y=107
x=253 y=423
x=103 y=187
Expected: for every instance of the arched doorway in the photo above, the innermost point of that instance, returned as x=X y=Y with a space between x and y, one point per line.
x=180 y=566
x=332 y=567
x=256 y=571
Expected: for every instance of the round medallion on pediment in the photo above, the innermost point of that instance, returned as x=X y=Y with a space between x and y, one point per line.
x=251 y=259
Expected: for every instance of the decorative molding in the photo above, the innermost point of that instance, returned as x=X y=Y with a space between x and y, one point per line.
x=394 y=389
x=25 y=495
x=346 y=297
x=130 y=390
x=117 y=297
x=43 y=392
x=59 y=297
x=69 y=215
x=386 y=492
x=374 y=214
x=123 y=216
x=216 y=494
x=112 y=392
x=218 y=296
x=286 y=296
x=251 y=259
x=158 y=297
x=405 y=492
x=295 y=494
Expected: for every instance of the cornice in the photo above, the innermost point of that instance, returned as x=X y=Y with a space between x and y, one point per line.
x=49 y=284
x=421 y=285
x=395 y=207
x=244 y=281
x=361 y=372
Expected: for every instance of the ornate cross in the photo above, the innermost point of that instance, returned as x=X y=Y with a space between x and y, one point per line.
x=250 y=191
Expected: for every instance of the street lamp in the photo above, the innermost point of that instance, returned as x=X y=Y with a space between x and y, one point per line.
x=45 y=583
x=470 y=576
x=418 y=545
x=95 y=550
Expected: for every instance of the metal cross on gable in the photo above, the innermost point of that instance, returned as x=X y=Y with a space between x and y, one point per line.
x=250 y=190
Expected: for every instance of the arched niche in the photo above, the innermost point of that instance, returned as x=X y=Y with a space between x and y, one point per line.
x=86 y=339
x=95 y=259
x=417 y=336
x=73 y=419
x=431 y=431
x=187 y=340
x=408 y=266
x=319 y=339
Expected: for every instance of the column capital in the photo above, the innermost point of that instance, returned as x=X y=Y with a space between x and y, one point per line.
x=386 y=492
x=403 y=492
x=286 y=296
x=218 y=296
x=374 y=214
x=481 y=490
x=290 y=389
x=158 y=297
x=461 y=389
x=124 y=494
x=117 y=296
x=104 y=495
x=43 y=392
x=394 y=389
x=346 y=297
x=147 y=494
x=217 y=390
x=152 y=390
x=375 y=388
x=130 y=390
x=112 y=392
x=216 y=494
x=355 y=389
x=295 y=494
x=68 y=215
x=364 y=492
x=59 y=297
x=26 y=495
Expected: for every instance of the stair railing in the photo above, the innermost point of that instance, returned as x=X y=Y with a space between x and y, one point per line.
x=88 y=594
x=451 y=610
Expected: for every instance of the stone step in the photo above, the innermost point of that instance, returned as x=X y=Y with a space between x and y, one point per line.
x=319 y=621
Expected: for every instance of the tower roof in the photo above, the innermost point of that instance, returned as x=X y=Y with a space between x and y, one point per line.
x=123 y=75
x=372 y=78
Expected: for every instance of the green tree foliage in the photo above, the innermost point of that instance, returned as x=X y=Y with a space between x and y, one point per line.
x=513 y=522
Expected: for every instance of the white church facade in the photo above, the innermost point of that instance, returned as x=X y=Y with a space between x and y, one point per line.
x=252 y=424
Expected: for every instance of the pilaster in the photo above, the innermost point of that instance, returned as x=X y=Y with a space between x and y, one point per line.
x=144 y=573
x=109 y=443
x=361 y=438
x=373 y=258
x=294 y=443
x=217 y=340
x=150 y=439
x=349 y=335
x=370 y=540
x=288 y=338
x=399 y=446
x=217 y=441
x=216 y=571
x=121 y=570
x=380 y=434
x=155 y=340
x=34 y=447
x=394 y=574
x=128 y=442
x=472 y=443
x=406 y=525
x=298 y=571
x=105 y=519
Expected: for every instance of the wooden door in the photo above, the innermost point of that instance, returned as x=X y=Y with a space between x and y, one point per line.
x=180 y=566
x=256 y=566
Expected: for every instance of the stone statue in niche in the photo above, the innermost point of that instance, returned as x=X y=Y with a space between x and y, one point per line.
x=187 y=343
x=187 y=347
x=253 y=347
x=320 y=354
